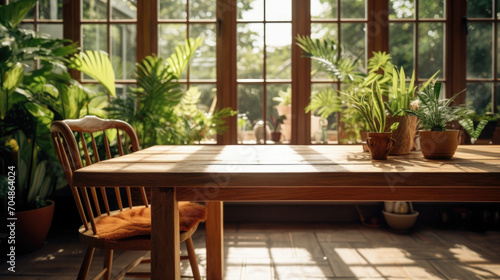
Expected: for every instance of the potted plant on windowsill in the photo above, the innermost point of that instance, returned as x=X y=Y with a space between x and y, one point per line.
x=275 y=124
x=284 y=107
x=436 y=141
x=480 y=128
x=371 y=107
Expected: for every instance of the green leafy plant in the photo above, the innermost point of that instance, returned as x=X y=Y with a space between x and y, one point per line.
x=284 y=97
x=159 y=110
x=372 y=109
x=435 y=113
x=468 y=126
x=276 y=122
x=30 y=99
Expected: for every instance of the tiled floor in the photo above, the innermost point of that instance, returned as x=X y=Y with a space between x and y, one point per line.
x=304 y=251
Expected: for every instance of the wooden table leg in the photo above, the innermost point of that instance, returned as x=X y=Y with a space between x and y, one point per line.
x=215 y=241
x=165 y=241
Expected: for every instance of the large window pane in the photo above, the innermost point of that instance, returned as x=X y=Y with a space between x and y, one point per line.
x=479 y=50
x=250 y=47
x=480 y=97
x=50 y=9
x=401 y=45
x=353 y=40
x=319 y=31
x=203 y=64
x=202 y=9
x=170 y=36
x=479 y=8
x=250 y=105
x=353 y=8
x=94 y=9
x=169 y=9
x=54 y=30
x=278 y=48
x=251 y=10
x=123 y=9
x=323 y=131
x=431 y=49
x=123 y=50
x=94 y=37
x=401 y=9
x=323 y=9
x=431 y=9
x=279 y=10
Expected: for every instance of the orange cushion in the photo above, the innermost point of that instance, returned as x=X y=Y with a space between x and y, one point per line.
x=137 y=221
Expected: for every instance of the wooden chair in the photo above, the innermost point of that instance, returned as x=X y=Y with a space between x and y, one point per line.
x=94 y=207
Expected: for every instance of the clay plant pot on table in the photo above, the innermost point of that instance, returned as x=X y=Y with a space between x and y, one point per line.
x=435 y=114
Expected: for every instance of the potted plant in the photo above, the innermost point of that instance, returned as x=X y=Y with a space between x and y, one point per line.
x=436 y=141
x=275 y=124
x=30 y=99
x=371 y=107
x=400 y=215
x=284 y=107
x=481 y=128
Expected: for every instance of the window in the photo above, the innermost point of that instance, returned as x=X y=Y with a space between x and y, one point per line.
x=483 y=56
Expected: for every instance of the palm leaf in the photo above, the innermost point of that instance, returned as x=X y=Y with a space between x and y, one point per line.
x=179 y=60
x=325 y=103
x=97 y=65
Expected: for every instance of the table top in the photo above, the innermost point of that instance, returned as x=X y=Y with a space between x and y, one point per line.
x=290 y=165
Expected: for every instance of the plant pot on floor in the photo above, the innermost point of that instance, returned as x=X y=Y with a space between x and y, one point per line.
x=438 y=144
x=400 y=221
x=275 y=136
x=380 y=144
x=404 y=135
x=32 y=227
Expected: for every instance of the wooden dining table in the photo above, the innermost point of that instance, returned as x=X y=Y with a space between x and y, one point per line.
x=218 y=173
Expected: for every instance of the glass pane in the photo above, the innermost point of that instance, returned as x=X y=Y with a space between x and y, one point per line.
x=353 y=41
x=94 y=37
x=323 y=9
x=123 y=9
x=479 y=50
x=276 y=93
x=121 y=90
x=323 y=131
x=249 y=50
x=203 y=63
x=170 y=36
x=431 y=9
x=54 y=30
x=479 y=97
x=50 y=9
x=207 y=97
x=93 y=9
x=401 y=9
x=319 y=31
x=431 y=49
x=251 y=10
x=279 y=10
x=169 y=9
x=202 y=9
x=123 y=50
x=28 y=26
x=250 y=104
x=479 y=8
x=278 y=48
x=401 y=45
x=353 y=8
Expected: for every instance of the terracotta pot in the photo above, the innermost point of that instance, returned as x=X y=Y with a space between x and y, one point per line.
x=286 y=127
x=380 y=144
x=32 y=227
x=404 y=135
x=275 y=136
x=438 y=144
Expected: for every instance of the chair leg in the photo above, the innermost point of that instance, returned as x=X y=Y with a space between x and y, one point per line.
x=87 y=260
x=192 y=259
x=108 y=261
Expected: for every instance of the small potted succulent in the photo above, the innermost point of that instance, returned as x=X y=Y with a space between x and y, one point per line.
x=436 y=141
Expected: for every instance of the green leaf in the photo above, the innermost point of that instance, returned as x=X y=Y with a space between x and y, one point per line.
x=12 y=79
x=11 y=15
x=179 y=60
x=97 y=65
